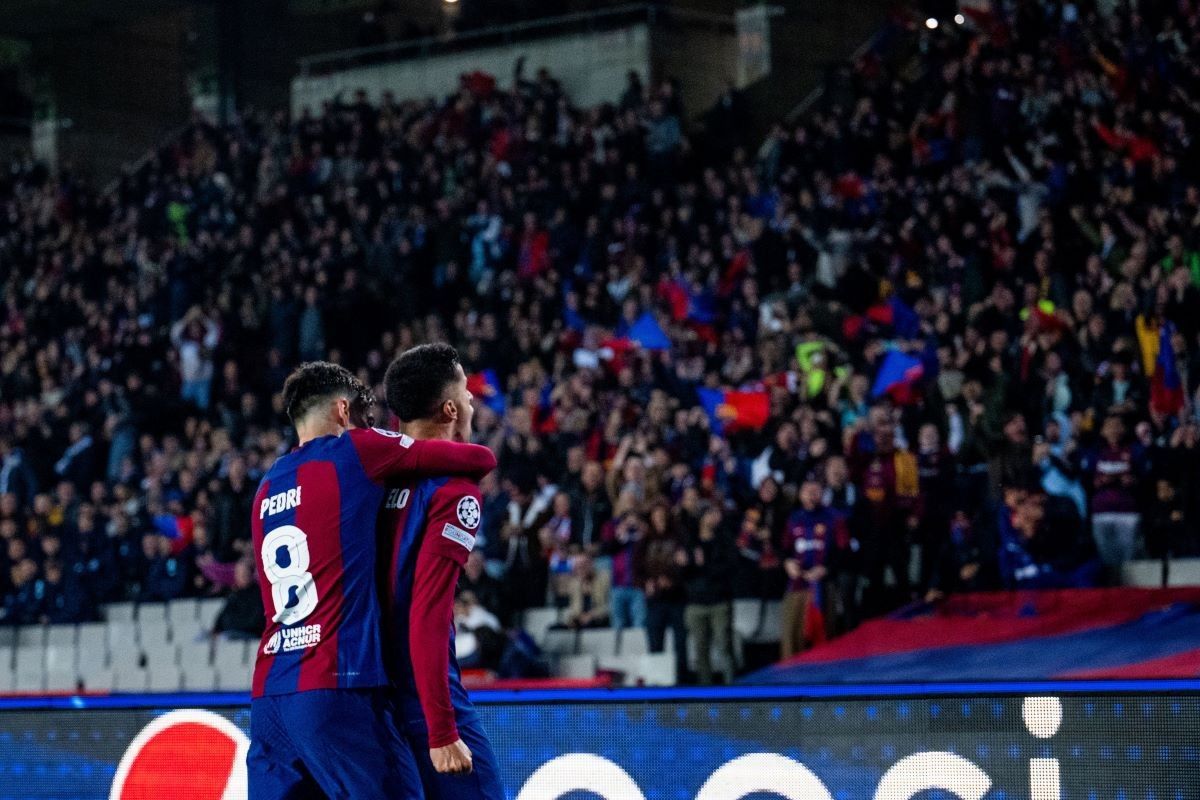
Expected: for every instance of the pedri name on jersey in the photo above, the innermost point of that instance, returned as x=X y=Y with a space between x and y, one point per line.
x=279 y=502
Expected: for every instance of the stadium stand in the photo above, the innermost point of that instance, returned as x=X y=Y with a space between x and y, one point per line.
x=953 y=300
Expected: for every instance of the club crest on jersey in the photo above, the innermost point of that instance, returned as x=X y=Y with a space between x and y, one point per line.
x=459 y=536
x=405 y=439
x=469 y=513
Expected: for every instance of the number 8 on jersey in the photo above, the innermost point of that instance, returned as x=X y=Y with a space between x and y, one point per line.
x=285 y=562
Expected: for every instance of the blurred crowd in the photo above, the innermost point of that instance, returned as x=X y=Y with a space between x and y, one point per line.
x=931 y=338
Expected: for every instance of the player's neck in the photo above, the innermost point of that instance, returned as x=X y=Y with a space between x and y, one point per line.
x=423 y=430
x=308 y=431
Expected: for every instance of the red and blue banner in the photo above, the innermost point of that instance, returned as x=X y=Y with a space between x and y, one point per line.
x=1078 y=633
x=1166 y=387
x=731 y=411
x=486 y=386
x=179 y=529
x=897 y=376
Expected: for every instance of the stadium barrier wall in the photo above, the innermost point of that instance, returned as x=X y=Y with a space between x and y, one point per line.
x=1041 y=741
x=592 y=67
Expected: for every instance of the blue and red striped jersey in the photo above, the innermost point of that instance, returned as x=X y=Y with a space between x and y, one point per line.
x=313 y=523
x=429 y=528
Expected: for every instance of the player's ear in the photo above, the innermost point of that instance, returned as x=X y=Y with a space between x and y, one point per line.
x=341 y=412
x=450 y=410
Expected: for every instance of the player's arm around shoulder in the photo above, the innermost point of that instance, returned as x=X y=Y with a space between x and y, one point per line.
x=388 y=455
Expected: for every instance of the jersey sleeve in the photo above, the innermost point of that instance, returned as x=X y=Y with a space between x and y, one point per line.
x=386 y=455
x=453 y=516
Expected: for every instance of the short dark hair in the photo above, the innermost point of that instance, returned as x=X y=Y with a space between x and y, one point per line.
x=316 y=381
x=416 y=381
x=362 y=409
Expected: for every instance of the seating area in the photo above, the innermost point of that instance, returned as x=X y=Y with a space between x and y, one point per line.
x=166 y=647
x=625 y=654
x=156 y=647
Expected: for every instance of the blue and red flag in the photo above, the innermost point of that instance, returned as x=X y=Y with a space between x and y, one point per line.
x=649 y=334
x=179 y=529
x=1166 y=388
x=732 y=411
x=898 y=376
x=894 y=313
x=486 y=386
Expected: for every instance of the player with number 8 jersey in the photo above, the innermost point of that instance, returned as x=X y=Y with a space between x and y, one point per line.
x=313 y=523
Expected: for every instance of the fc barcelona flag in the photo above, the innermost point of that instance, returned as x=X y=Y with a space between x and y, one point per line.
x=731 y=411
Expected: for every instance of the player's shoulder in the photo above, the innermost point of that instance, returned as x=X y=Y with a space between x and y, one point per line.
x=360 y=436
x=458 y=497
x=456 y=485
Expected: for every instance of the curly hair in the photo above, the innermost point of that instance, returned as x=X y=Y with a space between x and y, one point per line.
x=316 y=381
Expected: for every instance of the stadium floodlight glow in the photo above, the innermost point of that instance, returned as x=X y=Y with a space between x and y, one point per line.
x=931 y=23
x=450 y=2
x=960 y=19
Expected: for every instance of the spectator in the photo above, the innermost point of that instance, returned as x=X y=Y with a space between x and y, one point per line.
x=23 y=604
x=656 y=561
x=231 y=508
x=195 y=337
x=591 y=508
x=487 y=590
x=760 y=566
x=891 y=493
x=816 y=538
x=242 y=615
x=478 y=636
x=621 y=537
x=167 y=574
x=588 y=590
x=78 y=463
x=1115 y=516
x=1032 y=554
x=708 y=562
x=556 y=538
x=965 y=562
x=16 y=475
x=62 y=599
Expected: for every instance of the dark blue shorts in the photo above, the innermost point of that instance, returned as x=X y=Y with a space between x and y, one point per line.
x=484 y=781
x=329 y=743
